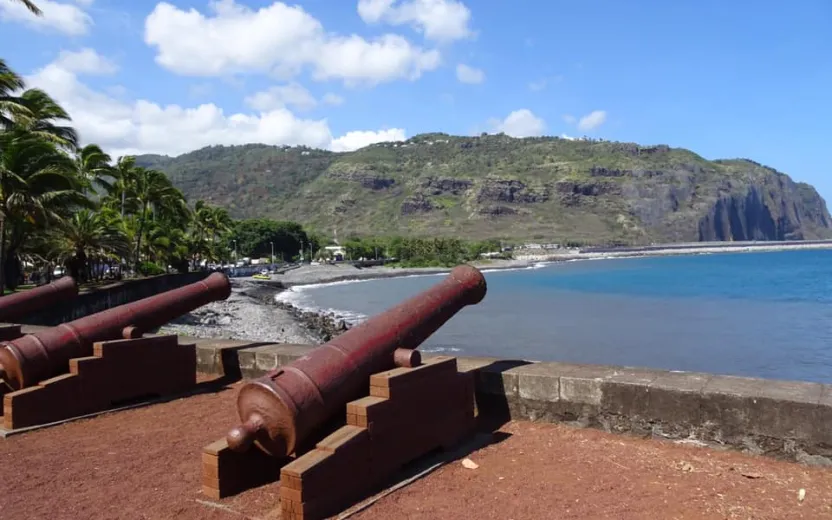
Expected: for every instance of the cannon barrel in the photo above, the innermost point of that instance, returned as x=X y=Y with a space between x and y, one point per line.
x=15 y=306
x=30 y=359
x=280 y=410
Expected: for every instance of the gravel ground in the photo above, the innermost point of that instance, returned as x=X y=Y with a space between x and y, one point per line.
x=250 y=314
x=145 y=464
x=245 y=317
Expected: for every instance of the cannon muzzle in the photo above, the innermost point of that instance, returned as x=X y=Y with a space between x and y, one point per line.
x=279 y=410
x=15 y=306
x=30 y=359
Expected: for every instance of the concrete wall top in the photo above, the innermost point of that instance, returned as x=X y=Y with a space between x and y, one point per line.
x=790 y=419
x=103 y=298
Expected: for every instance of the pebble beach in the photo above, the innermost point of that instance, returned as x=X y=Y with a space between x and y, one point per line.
x=252 y=312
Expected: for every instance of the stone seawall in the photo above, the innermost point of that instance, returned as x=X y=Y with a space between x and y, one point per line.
x=789 y=420
x=785 y=419
x=103 y=298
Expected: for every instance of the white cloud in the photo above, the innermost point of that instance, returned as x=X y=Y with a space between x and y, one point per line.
x=567 y=137
x=438 y=20
x=56 y=16
x=520 y=123
x=355 y=60
x=282 y=96
x=592 y=120
x=277 y=39
x=466 y=74
x=359 y=139
x=332 y=99
x=85 y=61
x=139 y=126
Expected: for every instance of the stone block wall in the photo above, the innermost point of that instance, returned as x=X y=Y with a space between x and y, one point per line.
x=107 y=297
x=786 y=419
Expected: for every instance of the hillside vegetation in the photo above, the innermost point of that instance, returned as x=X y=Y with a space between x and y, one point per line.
x=497 y=186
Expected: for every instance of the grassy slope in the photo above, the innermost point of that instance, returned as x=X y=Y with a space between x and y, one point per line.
x=328 y=190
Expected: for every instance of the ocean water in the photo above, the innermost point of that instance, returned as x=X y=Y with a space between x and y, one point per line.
x=749 y=314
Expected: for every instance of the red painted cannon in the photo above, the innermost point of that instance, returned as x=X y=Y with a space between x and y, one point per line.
x=15 y=306
x=30 y=359
x=279 y=410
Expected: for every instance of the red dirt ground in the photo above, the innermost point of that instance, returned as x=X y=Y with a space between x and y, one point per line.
x=559 y=472
x=145 y=464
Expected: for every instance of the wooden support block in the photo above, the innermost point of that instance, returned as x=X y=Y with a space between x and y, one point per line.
x=134 y=347
x=345 y=438
x=226 y=472
x=359 y=406
x=398 y=378
x=119 y=371
x=409 y=412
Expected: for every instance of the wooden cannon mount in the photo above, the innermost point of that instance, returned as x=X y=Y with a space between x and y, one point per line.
x=411 y=409
x=409 y=412
x=84 y=366
x=119 y=372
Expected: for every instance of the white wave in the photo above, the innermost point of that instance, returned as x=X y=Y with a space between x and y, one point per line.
x=537 y=265
x=297 y=297
x=435 y=350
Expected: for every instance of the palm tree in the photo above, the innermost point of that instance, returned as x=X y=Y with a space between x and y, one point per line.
x=167 y=244
x=154 y=192
x=43 y=118
x=37 y=183
x=124 y=172
x=31 y=7
x=11 y=106
x=209 y=222
x=94 y=170
x=89 y=236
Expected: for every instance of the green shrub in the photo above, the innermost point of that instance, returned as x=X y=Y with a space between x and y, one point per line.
x=150 y=269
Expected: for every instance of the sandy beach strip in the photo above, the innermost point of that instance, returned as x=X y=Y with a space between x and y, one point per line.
x=325 y=273
x=677 y=250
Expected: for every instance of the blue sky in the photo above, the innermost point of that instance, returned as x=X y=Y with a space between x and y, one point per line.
x=724 y=79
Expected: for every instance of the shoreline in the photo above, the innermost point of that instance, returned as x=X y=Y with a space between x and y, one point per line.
x=326 y=274
x=256 y=312
x=253 y=313
x=681 y=250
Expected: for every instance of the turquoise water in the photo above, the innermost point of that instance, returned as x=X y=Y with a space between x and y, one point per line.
x=751 y=314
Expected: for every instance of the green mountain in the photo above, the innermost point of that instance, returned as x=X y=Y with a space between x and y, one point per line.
x=498 y=186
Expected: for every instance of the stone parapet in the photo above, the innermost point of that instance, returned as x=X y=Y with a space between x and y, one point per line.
x=786 y=419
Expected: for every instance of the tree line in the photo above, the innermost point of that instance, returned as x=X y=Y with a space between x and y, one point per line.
x=63 y=205
x=420 y=252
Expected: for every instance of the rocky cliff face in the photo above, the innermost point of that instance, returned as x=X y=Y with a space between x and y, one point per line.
x=773 y=210
x=497 y=186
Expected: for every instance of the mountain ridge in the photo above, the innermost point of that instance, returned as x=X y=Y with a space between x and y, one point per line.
x=489 y=186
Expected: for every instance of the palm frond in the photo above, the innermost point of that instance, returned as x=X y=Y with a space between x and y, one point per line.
x=34 y=9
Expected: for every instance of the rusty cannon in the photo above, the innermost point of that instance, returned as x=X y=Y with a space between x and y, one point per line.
x=15 y=306
x=33 y=358
x=280 y=410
